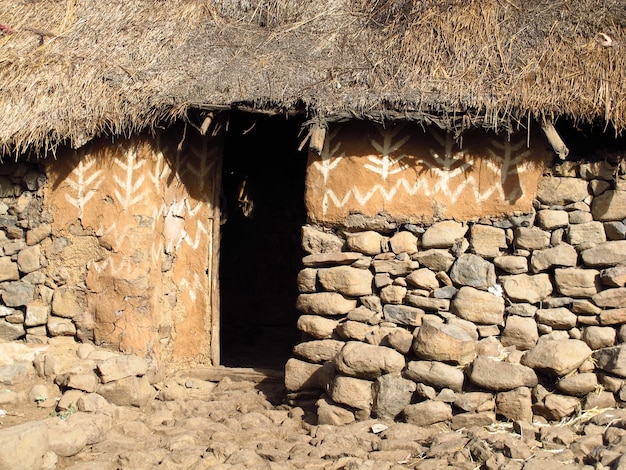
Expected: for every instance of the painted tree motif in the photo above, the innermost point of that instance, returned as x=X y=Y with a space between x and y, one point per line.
x=386 y=164
x=448 y=164
x=509 y=161
x=206 y=157
x=86 y=185
x=329 y=158
x=128 y=194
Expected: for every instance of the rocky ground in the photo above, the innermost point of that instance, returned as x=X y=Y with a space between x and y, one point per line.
x=66 y=405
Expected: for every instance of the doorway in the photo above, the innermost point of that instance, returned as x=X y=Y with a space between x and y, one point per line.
x=261 y=254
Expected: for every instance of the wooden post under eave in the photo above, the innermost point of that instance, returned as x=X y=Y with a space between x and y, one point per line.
x=555 y=139
x=214 y=260
x=318 y=135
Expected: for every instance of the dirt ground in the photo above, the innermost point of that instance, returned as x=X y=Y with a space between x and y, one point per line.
x=219 y=418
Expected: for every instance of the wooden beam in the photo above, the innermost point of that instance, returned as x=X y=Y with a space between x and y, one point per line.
x=555 y=139
x=318 y=135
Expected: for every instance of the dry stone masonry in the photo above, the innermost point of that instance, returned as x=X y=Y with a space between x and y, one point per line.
x=518 y=318
x=31 y=307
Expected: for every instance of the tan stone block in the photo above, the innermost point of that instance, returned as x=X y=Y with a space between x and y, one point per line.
x=403 y=242
x=512 y=264
x=557 y=191
x=487 y=241
x=446 y=343
x=589 y=234
x=610 y=205
x=316 y=326
x=443 y=234
x=369 y=243
x=356 y=393
x=8 y=269
x=325 y=303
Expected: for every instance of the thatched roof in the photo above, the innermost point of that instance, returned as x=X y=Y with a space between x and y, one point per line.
x=74 y=69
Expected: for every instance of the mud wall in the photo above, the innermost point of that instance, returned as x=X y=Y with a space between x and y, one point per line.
x=459 y=321
x=111 y=244
x=420 y=174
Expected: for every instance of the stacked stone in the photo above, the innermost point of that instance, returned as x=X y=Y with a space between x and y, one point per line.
x=522 y=318
x=26 y=295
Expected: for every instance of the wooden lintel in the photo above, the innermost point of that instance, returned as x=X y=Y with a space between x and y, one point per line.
x=555 y=140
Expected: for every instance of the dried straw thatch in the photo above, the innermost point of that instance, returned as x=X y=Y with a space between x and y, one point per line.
x=73 y=69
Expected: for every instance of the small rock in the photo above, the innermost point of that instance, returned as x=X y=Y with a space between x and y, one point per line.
x=478 y=306
x=366 y=361
x=474 y=271
x=307 y=281
x=428 y=303
x=61 y=326
x=356 y=393
x=598 y=337
x=329 y=413
x=403 y=242
x=68 y=303
x=403 y=314
x=586 y=234
x=346 y=280
x=556 y=407
x=558 y=357
x=443 y=234
x=611 y=298
x=606 y=254
x=520 y=332
x=575 y=282
x=120 y=367
x=511 y=264
x=392 y=294
x=427 y=413
x=498 y=376
x=615 y=230
x=369 y=243
x=558 y=191
x=527 y=288
x=435 y=373
x=614 y=277
x=578 y=385
x=316 y=241
x=318 y=351
x=487 y=241
x=325 y=303
x=515 y=405
x=558 y=318
x=614 y=316
x=612 y=360
x=392 y=394
x=561 y=255
x=301 y=375
x=316 y=326
x=129 y=391
x=610 y=205
x=23 y=446
x=423 y=278
x=550 y=219
x=435 y=259
x=531 y=238
x=447 y=343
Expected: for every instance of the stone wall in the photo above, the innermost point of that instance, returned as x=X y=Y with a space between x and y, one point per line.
x=25 y=229
x=521 y=317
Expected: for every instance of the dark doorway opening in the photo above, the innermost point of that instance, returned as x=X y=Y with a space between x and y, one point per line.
x=261 y=254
